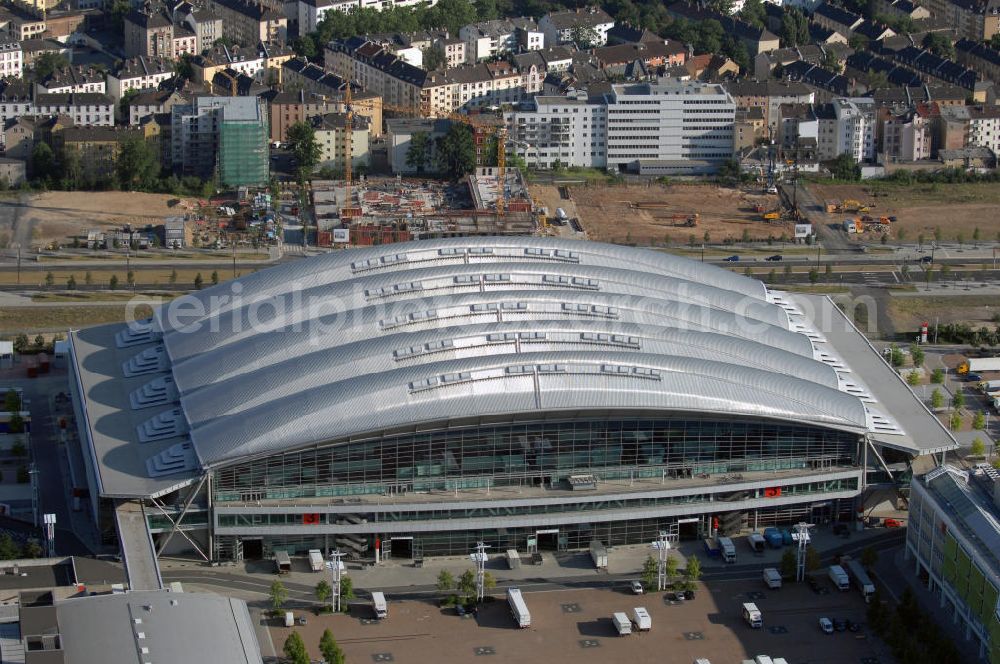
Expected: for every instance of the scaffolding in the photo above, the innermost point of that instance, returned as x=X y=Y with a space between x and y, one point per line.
x=243 y=152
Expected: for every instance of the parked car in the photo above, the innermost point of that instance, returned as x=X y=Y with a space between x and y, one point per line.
x=840 y=624
x=688 y=594
x=774 y=258
x=892 y=523
x=637 y=588
x=973 y=378
x=926 y=259
x=301 y=621
x=826 y=625
x=732 y=259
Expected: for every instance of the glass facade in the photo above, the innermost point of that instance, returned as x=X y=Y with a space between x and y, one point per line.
x=537 y=454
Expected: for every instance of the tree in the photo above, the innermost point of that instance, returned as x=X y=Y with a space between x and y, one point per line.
x=794 y=27
x=445 y=581
x=958 y=399
x=913 y=378
x=729 y=171
x=305 y=148
x=305 y=46
x=707 y=237
x=279 y=595
x=173 y=277
x=49 y=279
x=32 y=549
x=215 y=277
x=869 y=556
x=813 y=561
x=994 y=42
x=896 y=357
x=753 y=12
x=8 y=549
x=845 y=168
x=979 y=421
x=650 y=570
x=955 y=421
x=113 y=283
x=295 y=649
x=945 y=272
x=346 y=589
x=329 y=649
x=489 y=581
x=937 y=376
x=456 y=152
x=813 y=276
x=434 y=58
x=21 y=343
x=88 y=278
x=670 y=568
x=127 y=97
x=584 y=36
x=788 y=272
x=419 y=151
x=198 y=281
x=12 y=401
x=323 y=591
x=937 y=399
x=467 y=584
x=71 y=283
x=978 y=447
x=692 y=572
x=831 y=62
x=43 y=161
x=788 y=564
x=138 y=165
x=47 y=63
x=39 y=341
x=939 y=44
x=130 y=278
x=917 y=355
x=938 y=234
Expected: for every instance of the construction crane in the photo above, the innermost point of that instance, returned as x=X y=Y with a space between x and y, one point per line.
x=348 y=144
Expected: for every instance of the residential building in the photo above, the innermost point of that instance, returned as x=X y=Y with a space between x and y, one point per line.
x=902 y=9
x=185 y=41
x=310 y=12
x=813 y=54
x=299 y=74
x=331 y=135
x=769 y=95
x=262 y=62
x=85 y=108
x=155 y=102
x=97 y=149
x=22 y=24
x=247 y=23
x=399 y=133
x=669 y=127
x=653 y=54
x=149 y=33
x=906 y=136
x=979 y=58
x=952 y=540
x=757 y=40
x=227 y=135
x=399 y=83
x=973 y=157
x=836 y=18
x=287 y=108
x=11 y=60
x=984 y=127
x=33 y=48
x=455 y=51
x=559 y=27
x=15 y=100
x=856 y=128
x=818 y=76
x=953 y=128
x=749 y=128
x=711 y=67
x=73 y=79
x=977 y=20
x=19 y=138
x=486 y=40
x=139 y=73
x=13 y=172
x=206 y=26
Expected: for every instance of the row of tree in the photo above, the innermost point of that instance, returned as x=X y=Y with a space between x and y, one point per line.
x=296 y=653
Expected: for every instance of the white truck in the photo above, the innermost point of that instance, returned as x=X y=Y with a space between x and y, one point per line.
x=860 y=578
x=839 y=578
x=518 y=609
x=622 y=623
x=289 y=619
x=728 y=549
x=978 y=364
x=756 y=542
x=315 y=560
x=752 y=615
x=772 y=577
x=599 y=554
x=640 y=616
x=379 y=605
x=513 y=559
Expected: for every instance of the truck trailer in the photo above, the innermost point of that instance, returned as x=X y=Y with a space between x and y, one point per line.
x=599 y=554
x=860 y=578
x=728 y=549
x=518 y=609
x=752 y=615
x=622 y=624
x=282 y=562
x=315 y=560
x=772 y=578
x=839 y=578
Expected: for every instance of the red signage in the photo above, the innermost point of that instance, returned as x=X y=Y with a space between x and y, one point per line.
x=310 y=519
x=772 y=492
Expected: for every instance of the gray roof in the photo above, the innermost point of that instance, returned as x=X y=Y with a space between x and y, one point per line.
x=176 y=627
x=352 y=343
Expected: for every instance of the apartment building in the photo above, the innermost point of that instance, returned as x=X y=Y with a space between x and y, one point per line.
x=97 y=148
x=769 y=95
x=489 y=39
x=221 y=135
x=139 y=73
x=11 y=60
x=906 y=136
x=331 y=135
x=669 y=127
x=399 y=83
x=260 y=61
x=84 y=108
x=559 y=27
x=148 y=33
x=757 y=40
x=22 y=25
x=977 y=20
x=836 y=18
x=287 y=108
x=248 y=23
x=153 y=103
x=73 y=79
x=206 y=26
x=979 y=58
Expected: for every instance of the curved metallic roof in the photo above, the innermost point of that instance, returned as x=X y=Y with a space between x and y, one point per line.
x=354 y=342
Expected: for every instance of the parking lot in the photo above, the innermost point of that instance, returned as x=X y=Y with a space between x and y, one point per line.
x=575 y=626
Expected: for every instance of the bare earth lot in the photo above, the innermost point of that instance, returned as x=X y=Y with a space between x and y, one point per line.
x=574 y=627
x=921 y=208
x=651 y=215
x=59 y=215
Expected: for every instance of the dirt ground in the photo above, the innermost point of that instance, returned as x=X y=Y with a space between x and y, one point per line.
x=955 y=209
x=655 y=215
x=59 y=318
x=59 y=215
x=574 y=627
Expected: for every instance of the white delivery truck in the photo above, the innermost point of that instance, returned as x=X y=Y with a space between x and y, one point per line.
x=315 y=560
x=622 y=623
x=640 y=616
x=772 y=578
x=289 y=619
x=513 y=559
x=282 y=562
x=379 y=605
x=860 y=578
x=518 y=609
x=839 y=577
x=599 y=554
x=752 y=615
x=728 y=549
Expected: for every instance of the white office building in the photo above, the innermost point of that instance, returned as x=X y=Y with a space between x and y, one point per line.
x=666 y=127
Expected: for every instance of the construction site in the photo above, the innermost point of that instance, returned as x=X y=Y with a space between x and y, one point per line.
x=655 y=214
x=858 y=219
x=384 y=210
